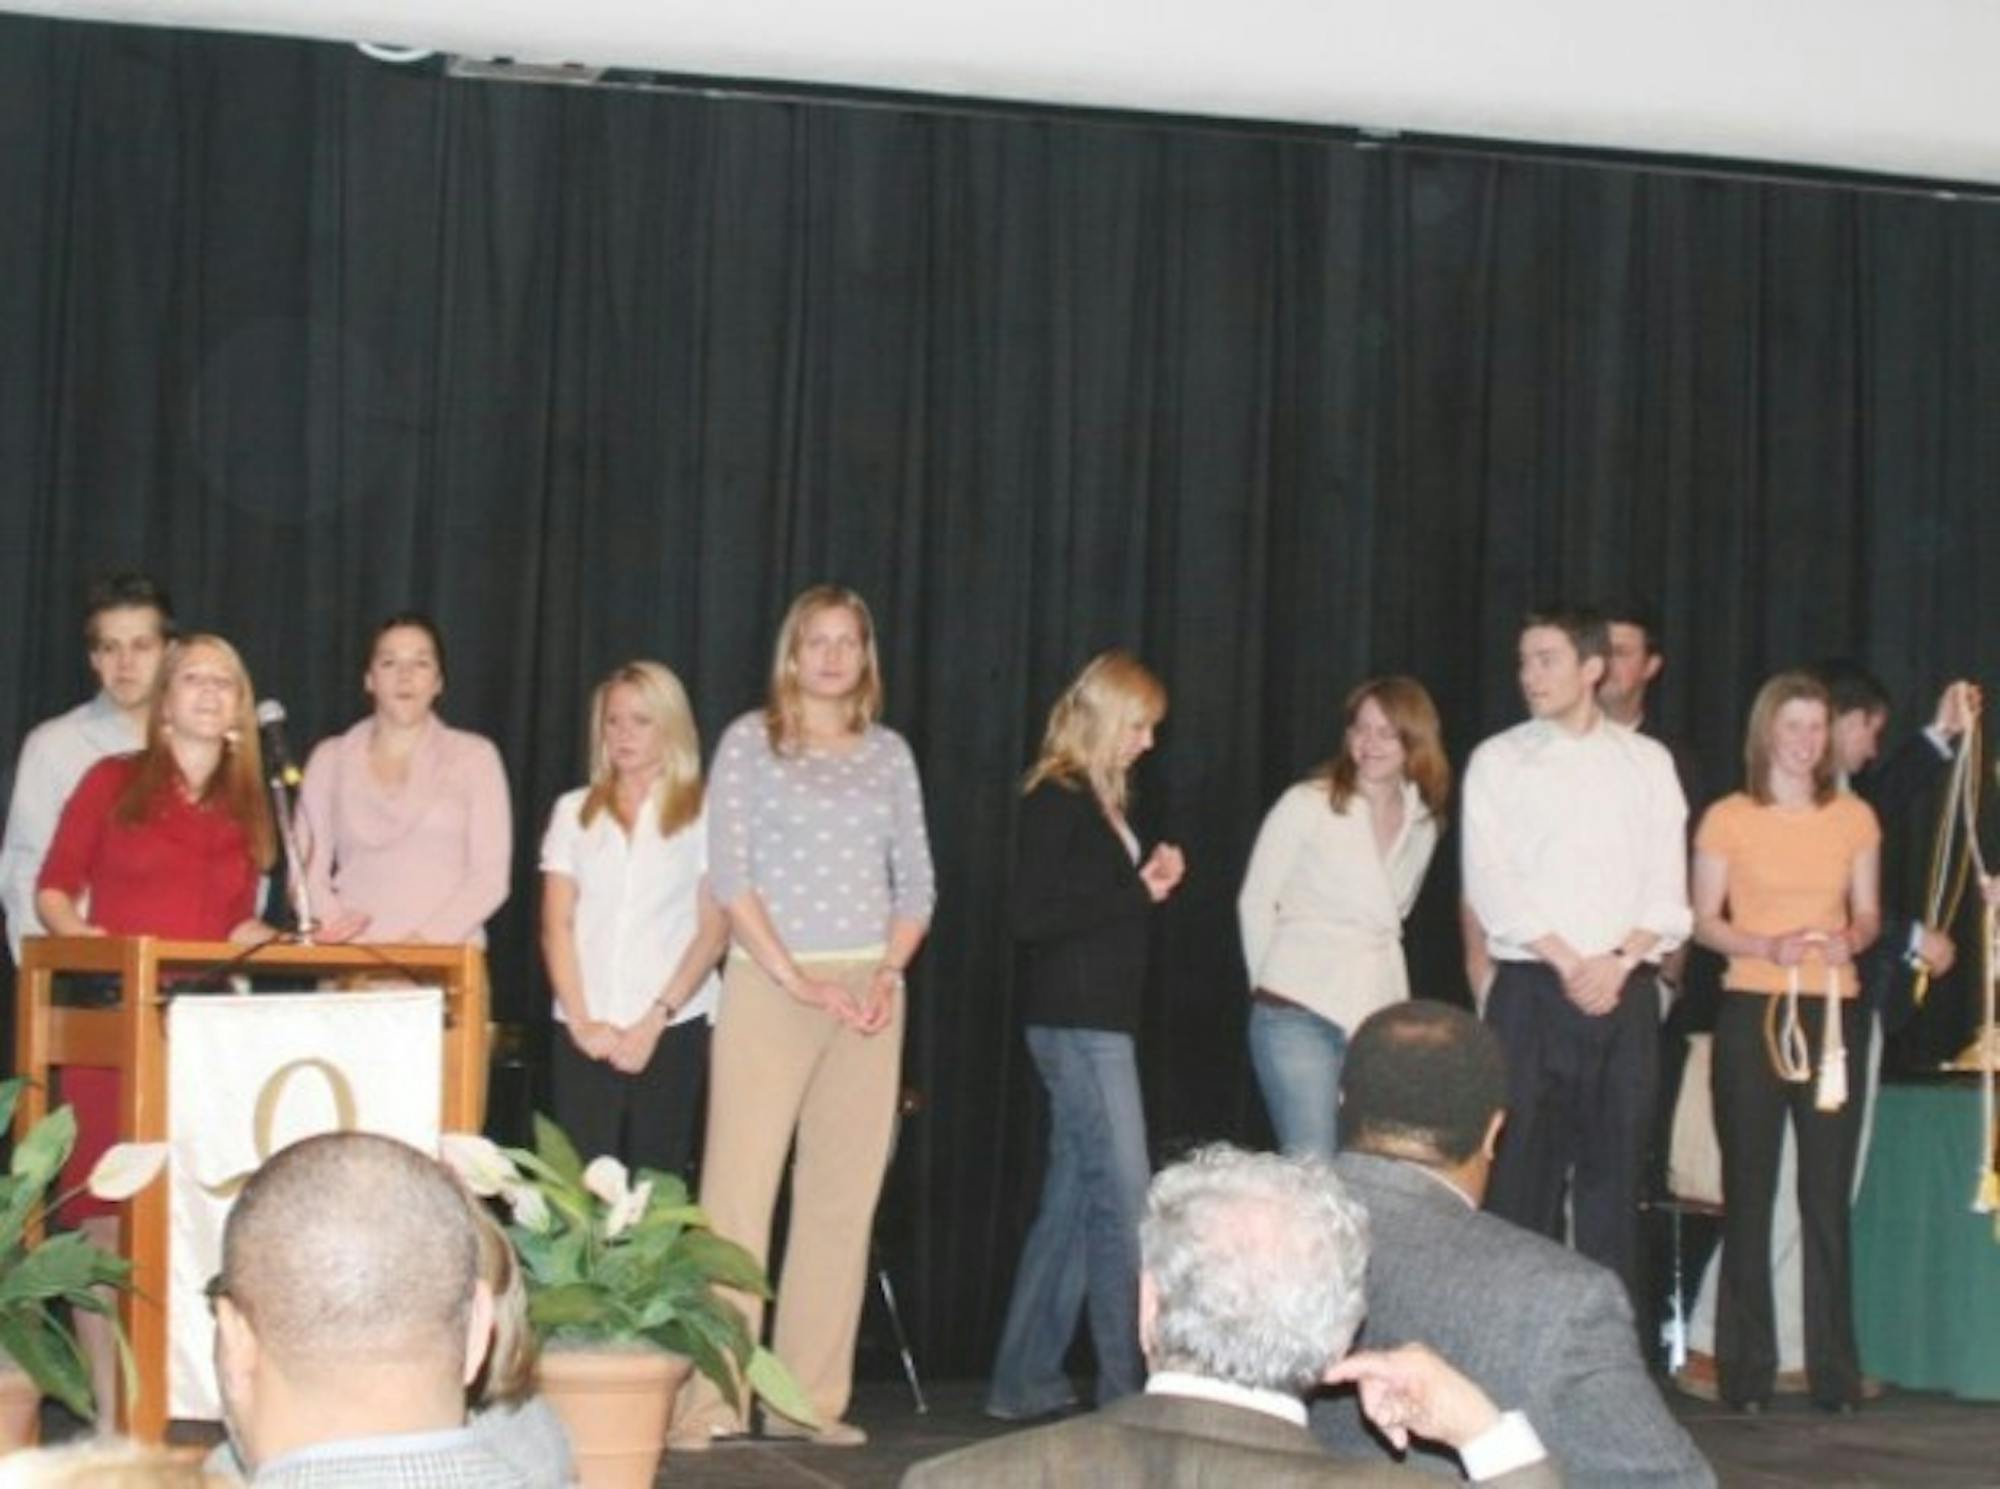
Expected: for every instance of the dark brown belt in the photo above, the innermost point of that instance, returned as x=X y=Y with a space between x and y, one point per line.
x=1275 y=1000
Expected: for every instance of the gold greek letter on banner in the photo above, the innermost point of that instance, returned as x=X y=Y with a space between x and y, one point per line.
x=264 y=1128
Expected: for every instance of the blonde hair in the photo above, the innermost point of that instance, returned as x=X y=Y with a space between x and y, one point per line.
x=238 y=782
x=1410 y=712
x=507 y=1375
x=784 y=709
x=680 y=777
x=1113 y=692
x=108 y=1464
x=1786 y=687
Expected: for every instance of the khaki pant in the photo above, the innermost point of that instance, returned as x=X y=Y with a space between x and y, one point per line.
x=781 y=1070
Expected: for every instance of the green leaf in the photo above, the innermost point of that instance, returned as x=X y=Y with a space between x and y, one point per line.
x=65 y=1266
x=672 y=1217
x=553 y=1147
x=10 y=1092
x=723 y=1327
x=39 y=1156
x=724 y=1262
x=49 y=1355
x=546 y=1179
x=578 y=1306
x=669 y=1190
x=770 y=1379
x=552 y=1260
x=710 y=1362
x=17 y=1201
x=575 y=1206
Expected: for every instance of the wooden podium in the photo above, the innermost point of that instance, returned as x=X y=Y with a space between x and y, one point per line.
x=131 y=1038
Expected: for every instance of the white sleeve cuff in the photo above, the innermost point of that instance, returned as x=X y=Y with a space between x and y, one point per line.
x=1938 y=742
x=1508 y=1444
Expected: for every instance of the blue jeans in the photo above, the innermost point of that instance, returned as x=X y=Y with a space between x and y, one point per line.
x=1085 y=1239
x=1297 y=1057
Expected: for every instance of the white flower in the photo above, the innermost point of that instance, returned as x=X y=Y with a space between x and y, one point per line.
x=627 y=1209
x=606 y=1178
x=478 y=1161
x=125 y=1169
x=531 y=1211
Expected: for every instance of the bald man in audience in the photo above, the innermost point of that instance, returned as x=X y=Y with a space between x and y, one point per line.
x=1422 y=1095
x=349 y=1319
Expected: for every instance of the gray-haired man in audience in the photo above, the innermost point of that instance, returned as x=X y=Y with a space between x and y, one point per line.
x=349 y=1318
x=1249 y=1293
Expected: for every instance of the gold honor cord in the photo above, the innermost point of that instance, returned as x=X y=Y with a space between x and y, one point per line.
x=1791 y=1052
x=1954 y=849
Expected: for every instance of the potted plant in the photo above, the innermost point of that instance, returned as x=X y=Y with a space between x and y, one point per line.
x=625 y=1283
x=41 y=1275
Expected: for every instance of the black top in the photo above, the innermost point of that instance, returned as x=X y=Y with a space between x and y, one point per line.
x=1079 y=907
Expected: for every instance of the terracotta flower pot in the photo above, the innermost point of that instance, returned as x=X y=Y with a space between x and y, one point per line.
x=19 y=1398
x=615 y=1405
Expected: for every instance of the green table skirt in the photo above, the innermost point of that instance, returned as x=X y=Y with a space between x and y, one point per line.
x=1926 y=1268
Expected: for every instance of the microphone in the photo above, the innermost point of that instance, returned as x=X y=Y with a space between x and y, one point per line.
x=284 y=778
x=277 y=757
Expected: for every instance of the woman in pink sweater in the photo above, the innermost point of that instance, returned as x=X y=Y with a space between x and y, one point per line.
x=409 y=826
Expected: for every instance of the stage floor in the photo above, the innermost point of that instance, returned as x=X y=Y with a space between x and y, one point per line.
x=1902 y=1439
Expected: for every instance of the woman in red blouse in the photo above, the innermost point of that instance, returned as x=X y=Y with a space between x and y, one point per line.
x=168 y=842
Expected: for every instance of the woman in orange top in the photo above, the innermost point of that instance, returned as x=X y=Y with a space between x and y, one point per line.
x=1785 y=886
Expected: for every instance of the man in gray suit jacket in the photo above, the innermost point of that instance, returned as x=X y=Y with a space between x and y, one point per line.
x=1422 y=1094
x=1250 y=1291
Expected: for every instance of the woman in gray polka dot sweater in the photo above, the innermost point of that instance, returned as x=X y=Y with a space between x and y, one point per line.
x=818 y=853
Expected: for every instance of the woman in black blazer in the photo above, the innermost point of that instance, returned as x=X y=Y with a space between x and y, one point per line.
x=1080 y=896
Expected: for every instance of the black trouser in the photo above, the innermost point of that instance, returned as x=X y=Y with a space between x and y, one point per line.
x=1751 y=1104
x=646 y=1120
x=1580 y=1098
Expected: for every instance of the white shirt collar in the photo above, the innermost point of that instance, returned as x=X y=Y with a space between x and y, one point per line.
x=1441 y=1181
x=1279 y=1404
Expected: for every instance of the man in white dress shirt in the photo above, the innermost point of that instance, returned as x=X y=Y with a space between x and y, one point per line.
x=1576 y=867
x=127 y=623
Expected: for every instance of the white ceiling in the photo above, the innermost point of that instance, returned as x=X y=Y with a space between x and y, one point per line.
x=1897 y=86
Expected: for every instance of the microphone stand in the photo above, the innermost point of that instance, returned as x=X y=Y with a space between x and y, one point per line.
x=295 y=860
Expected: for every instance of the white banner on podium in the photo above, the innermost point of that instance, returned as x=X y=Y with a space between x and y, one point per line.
x=246 y=1077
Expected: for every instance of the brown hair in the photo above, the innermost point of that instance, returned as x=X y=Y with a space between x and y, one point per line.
x=1080 y=745
x=238 y=783
x=126 y=590
x=1409 y=708
x=1588 y=631
x=1786 y=687
x=784 y=711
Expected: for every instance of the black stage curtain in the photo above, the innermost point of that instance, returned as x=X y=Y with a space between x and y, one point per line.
x=594 y=375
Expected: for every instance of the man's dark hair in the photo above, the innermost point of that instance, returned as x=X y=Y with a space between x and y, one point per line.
x=128 y=589
x=1851 y=686
x=1421 y=1074
x=1587 y=629
x=1627 y=611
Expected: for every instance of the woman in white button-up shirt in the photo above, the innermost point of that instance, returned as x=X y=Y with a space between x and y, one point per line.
x=1336 y=868
x=630 y=933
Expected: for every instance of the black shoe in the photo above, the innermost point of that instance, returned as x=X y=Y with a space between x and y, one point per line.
x=1842 y=1408
x=1754 y=1407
